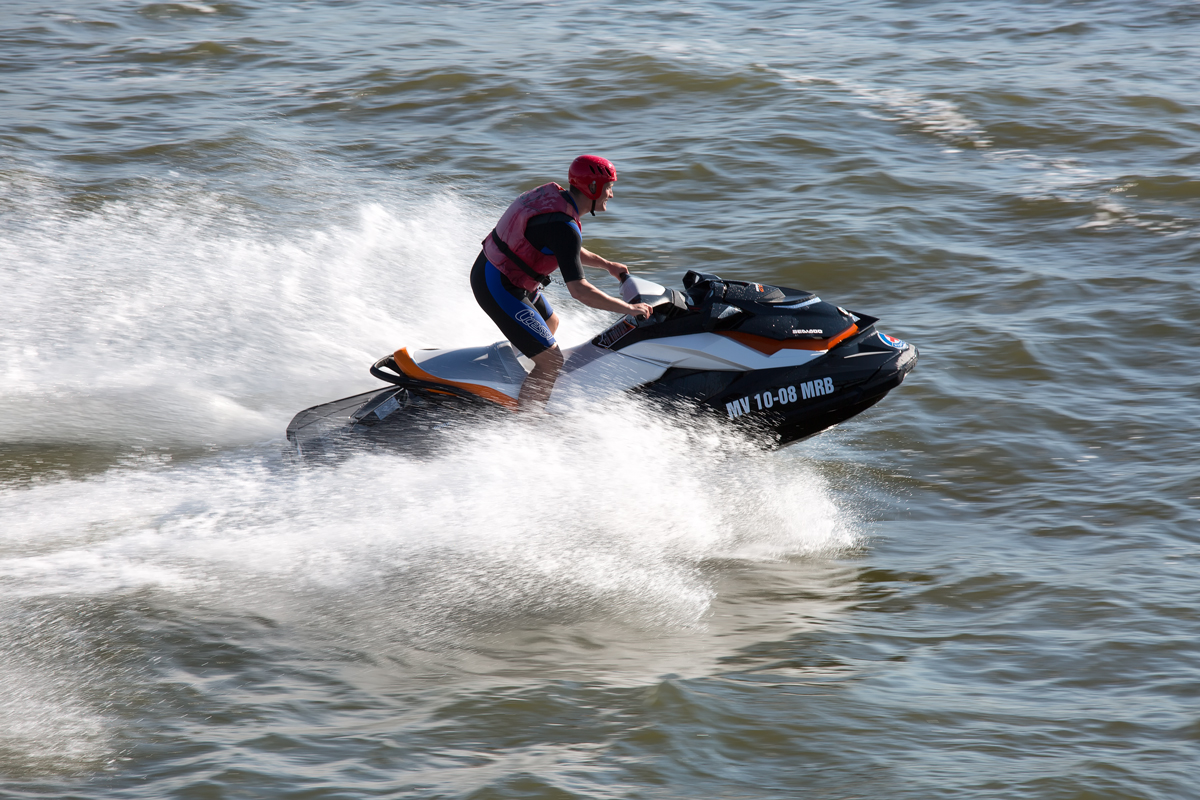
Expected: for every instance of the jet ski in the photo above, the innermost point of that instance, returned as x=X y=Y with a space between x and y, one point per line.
x=779 y=363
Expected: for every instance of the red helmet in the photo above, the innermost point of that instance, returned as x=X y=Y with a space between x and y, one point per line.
x=588 y=174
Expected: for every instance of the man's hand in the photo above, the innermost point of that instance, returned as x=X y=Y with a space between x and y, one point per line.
x=641 y=310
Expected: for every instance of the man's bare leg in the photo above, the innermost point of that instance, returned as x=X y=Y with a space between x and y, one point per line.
x=535 y=391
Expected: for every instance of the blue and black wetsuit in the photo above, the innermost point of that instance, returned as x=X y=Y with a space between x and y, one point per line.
x=519 y=314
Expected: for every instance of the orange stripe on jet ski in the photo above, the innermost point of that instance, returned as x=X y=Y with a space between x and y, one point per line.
x=772 y=346
x=409 y=367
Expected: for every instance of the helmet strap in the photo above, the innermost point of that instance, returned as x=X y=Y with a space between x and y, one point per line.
x=593 y=207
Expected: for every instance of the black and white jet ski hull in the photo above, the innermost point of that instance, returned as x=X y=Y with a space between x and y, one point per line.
x=777 y=362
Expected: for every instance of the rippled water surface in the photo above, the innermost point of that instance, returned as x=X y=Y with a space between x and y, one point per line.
x=214 y=214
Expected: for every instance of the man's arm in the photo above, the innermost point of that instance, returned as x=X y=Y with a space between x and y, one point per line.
x=590 y=259
x=563 y=239
x=590 y=296
x=557 y=233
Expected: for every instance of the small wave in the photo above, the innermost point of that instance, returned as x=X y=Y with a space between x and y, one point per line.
x=176 y=10
x=1037 y=176
x=242 y=50
x=939 y=118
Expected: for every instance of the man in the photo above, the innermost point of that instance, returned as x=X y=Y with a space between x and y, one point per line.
x=539 y=233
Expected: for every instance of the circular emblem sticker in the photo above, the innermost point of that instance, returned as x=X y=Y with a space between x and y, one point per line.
x=892 y=341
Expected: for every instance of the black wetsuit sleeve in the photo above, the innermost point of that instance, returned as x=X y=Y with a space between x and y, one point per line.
x=557 y=233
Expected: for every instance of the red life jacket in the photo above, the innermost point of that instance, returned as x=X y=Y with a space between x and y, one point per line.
x=507 y=247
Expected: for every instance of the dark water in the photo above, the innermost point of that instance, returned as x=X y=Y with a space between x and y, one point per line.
x=215 y=214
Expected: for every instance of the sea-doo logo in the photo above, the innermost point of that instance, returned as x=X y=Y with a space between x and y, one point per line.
x=796 y=331
x=533 y=320
x=781 y=396
x=892 y=341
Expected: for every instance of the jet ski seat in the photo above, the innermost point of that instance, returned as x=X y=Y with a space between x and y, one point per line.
x=494 y=372
x=495 y=363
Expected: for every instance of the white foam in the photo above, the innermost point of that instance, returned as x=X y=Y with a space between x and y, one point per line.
x=43 y=721
x=190 y=323
x=628 y=497
x=607 y=517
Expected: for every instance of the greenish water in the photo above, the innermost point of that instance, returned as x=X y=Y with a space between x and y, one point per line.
x=215 y=214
